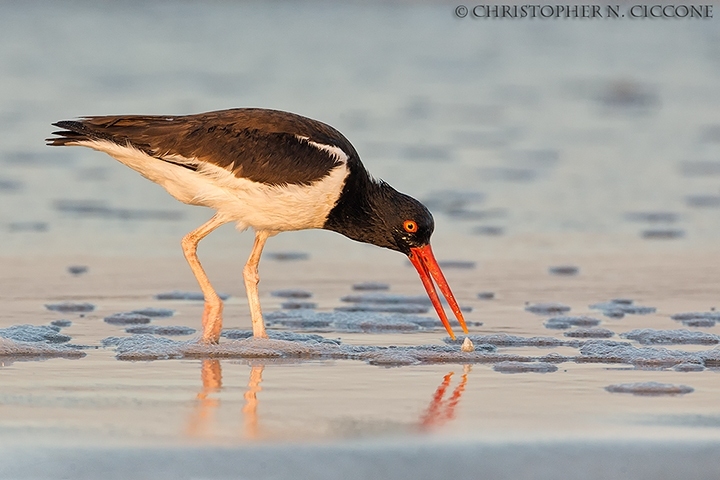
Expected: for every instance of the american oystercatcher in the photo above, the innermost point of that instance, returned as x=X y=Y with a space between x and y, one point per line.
x=270 y=170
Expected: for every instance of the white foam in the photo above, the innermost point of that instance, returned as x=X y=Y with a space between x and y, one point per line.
x=19 y=349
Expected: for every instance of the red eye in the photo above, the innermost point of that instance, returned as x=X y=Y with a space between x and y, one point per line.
x=410 y=226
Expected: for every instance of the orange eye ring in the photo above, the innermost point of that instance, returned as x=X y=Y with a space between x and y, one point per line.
x=410 y=226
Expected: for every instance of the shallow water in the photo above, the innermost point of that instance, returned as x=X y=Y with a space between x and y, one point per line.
x=568 y=164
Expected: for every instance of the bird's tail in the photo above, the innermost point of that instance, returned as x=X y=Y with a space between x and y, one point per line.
x=74 y=133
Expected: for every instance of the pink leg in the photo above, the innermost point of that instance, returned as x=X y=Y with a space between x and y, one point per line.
x=212 y=315
x=250 y=274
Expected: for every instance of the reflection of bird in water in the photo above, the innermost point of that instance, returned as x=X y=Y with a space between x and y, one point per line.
x=251 y=401
x=440 y=410
x=211 y=375
x=272 y=171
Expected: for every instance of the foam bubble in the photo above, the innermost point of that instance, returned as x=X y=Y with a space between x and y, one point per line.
x=33 y=333
x=525 y=367
x=650 y=388
x=161 y=330
x=605 y=352
x=279 y=335
x=19 y=349
x=689 y=367
x=149 y=347
x=154 y=312
x=649 y=336
x=127 y=318
x=61 y=323
x=390 y=308
x=564 y=322
x=384 y=298
x=590 y=333
x=613 y=306
x=697 y=319
x=354 y=321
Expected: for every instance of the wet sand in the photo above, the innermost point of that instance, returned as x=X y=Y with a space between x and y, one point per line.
x=101 y=400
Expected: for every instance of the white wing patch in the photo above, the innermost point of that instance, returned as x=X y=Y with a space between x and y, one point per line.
x=274 y=208
x=335 y=152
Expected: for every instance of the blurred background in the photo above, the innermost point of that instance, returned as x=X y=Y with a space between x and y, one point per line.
x=524 y=137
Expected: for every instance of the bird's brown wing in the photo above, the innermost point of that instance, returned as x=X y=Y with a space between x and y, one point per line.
x=261 y=145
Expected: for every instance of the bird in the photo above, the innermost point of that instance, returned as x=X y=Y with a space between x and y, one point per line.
x=272 y=171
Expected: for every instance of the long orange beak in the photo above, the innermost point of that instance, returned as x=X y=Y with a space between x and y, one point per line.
x=424 y=262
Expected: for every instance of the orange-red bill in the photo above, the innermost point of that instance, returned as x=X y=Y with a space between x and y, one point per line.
x=427 y=267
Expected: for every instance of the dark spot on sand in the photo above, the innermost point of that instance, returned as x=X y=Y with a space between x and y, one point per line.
x=10 y=186
x=662 y=234
x=547 y=308
x=77 y=269
x=459 y=264
x=61 y=323
x=69 y=307
x=28 y=226
x=291 y=293
x=296 y=305
x=564 y=270
x=703 y=201
x=628 y=95
x=371 y=286
x=287 y=256
x=154 y=312
x=564 y=322
x=127 y=318
x=486 y=295
x=652 y=217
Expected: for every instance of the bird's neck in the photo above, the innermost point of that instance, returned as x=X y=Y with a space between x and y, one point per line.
x=355 y=214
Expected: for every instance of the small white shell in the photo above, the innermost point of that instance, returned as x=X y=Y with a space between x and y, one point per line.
x=467 y=345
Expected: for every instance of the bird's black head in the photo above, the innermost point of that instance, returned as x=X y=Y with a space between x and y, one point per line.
x=384 y=217
x=374 y=212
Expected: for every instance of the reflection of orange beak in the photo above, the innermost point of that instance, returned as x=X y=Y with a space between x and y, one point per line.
x=426 y=265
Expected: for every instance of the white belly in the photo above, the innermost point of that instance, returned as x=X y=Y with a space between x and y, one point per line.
x=273 y=208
